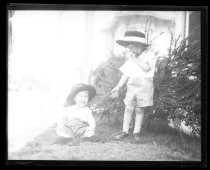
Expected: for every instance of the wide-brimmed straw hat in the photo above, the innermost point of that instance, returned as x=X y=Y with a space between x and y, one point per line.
x=136 y=37
x=76 y=89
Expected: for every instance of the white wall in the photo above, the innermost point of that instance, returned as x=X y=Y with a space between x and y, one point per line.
x=136 y=20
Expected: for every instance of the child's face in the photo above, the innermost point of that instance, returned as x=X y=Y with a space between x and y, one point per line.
x=81 y=98
x=133 y=50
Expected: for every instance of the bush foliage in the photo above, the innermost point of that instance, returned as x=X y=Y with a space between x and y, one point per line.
x=106 y=77
x=177 y=84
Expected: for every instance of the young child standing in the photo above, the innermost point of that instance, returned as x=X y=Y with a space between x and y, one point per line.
x=77 y=118
x=138 y=73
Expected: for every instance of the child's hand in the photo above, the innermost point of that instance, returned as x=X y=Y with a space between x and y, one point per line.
x=130 y=55
x=114 y=92
x=89 y=132
x=89 y=128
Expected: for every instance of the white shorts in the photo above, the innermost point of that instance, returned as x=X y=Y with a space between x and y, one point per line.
x=139 y=93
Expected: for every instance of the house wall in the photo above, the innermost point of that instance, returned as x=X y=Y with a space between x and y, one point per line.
x=139 y=22
x=194 y=25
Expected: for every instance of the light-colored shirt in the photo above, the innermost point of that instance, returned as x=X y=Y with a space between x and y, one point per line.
x=82 y=113
x=131 y=69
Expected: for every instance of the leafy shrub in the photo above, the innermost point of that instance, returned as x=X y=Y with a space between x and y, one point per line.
x=177 y=81
x=106 y=78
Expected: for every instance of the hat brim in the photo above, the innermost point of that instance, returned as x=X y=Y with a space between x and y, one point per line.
x=126 y=43
x=91 y=90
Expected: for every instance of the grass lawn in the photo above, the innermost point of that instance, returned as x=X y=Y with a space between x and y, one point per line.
x=158 y=143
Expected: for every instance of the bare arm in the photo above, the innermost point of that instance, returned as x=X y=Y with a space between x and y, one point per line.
x=121 y=83
x=91 y=121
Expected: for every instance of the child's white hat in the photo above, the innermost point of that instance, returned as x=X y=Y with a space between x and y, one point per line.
x=133 y=37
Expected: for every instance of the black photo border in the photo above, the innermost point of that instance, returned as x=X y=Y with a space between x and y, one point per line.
x=121 y=7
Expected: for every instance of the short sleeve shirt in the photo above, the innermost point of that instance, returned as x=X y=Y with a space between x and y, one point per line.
x=131 y=69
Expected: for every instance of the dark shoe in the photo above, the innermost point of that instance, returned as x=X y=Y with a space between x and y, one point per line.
x=137 y=137
x=121 y=136
x=61 y=140
x=93 y=139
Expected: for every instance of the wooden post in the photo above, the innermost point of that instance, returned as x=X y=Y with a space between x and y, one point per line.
x=180 y=24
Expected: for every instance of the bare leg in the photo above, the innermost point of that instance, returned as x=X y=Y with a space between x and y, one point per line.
x=127 y=118
x=139 y=119
x=126 y=122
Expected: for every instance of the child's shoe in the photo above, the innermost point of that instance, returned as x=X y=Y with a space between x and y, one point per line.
x=92 y=139
x=62 y=140
x=137 y=137
x=122 y=135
